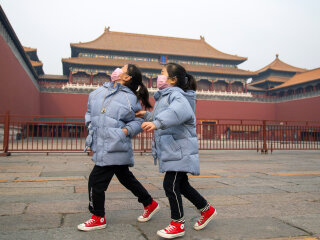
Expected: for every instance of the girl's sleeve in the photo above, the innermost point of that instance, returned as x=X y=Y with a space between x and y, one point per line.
x=178 y=112
x=134 y=126
x=147 y=116
x=88 y=113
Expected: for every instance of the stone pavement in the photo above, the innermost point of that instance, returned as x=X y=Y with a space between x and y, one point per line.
x=275 y=196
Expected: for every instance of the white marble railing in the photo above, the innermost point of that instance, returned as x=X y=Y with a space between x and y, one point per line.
x=213 y=93
x=80 y=86
x=153 y=90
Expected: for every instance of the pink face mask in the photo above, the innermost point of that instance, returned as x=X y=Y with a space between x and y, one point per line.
x=162 y=82
x=115 y=74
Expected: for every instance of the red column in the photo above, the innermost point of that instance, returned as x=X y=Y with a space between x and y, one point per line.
x=150 y=82
x=314 y=88
x=91 y=79
x=70 y=77
x=212 y=86
x=229 y=87
x=245 y=87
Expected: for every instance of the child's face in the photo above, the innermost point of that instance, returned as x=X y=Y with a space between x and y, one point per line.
x=170 y=81
x=124 y=76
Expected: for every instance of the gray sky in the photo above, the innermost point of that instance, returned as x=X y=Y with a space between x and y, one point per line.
x=257 y=29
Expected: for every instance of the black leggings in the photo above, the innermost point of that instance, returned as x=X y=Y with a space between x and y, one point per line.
x=99 y=180
x=175 y=184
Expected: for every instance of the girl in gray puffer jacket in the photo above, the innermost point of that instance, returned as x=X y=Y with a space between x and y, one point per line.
x=175 y=145
x=112 y=121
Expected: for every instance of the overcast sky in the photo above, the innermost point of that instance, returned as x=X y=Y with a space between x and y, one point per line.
x=257 y=29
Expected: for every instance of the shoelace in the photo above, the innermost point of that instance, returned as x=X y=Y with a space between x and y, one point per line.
x=170 y=227
x=201 y=218
x=90 y=221
x=145 y=213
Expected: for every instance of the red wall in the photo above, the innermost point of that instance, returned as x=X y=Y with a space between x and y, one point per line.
x=18 y=93
x=212 y=110
x=76 y=105
x=64 y=104
x=299 y=110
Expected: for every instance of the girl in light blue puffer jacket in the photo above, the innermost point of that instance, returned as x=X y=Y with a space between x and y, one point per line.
x=112 y=121
x=175 y=145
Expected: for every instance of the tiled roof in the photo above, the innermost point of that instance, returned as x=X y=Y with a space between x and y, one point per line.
x=36 y=63
x=279 y=65
x=271 y=79
x=155 y=65
x=130 y=42
x=49 y=76
x=250 y=87
x=29 y=49
x=300 y=78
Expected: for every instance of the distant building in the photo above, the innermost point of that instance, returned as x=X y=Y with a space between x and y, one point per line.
x=278 y=91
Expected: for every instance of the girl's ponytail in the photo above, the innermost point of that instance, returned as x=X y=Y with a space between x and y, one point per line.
x=185 y=81
x=136 y=85
x=191 y=83
x=143 y=95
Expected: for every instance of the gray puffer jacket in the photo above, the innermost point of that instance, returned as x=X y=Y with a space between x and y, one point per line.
x=175 y=143
x=111 y=108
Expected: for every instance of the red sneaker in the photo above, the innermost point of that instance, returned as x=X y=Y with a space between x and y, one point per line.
x=93 y=224
x=205 y=218
x=175 y=229
x=149 y=211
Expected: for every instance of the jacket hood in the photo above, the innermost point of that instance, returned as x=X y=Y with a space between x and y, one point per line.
x=116 y=87
x=167 y=91
x=190 y=95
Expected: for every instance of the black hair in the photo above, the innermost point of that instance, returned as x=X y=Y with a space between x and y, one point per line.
x=185 y=81
x=135 y=83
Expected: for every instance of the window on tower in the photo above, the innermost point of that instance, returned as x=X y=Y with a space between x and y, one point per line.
x=163 y=59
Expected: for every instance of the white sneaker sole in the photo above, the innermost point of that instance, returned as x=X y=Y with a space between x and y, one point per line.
x=206 y=222
x=170 y=236
x=82 y=228
x=150 y=216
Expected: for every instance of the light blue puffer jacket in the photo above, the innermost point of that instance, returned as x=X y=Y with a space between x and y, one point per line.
x=110 y=145
x=175 y=143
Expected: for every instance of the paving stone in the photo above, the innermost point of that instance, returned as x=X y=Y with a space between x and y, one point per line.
x=232 y=190
x=300 y=188
x=44 y=197
x=270 y=209
x=253 y=181
x=64 y=173
x=20 y=168
x=229 y=229
x=57 y=207
x=29 y=221
x=42 y=190
x=44 y=183
x=247 y=189
x=281 y=197
x=309 y=223
x=11 y=208
x=116 y=232
x=13 y=175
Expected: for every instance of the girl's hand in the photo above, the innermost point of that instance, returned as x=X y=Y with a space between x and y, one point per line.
x=125 y=131
x=140 y=114
x=148 y=126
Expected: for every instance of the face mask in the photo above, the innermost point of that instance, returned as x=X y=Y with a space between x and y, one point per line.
x=162 y=82
x=115 y=74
